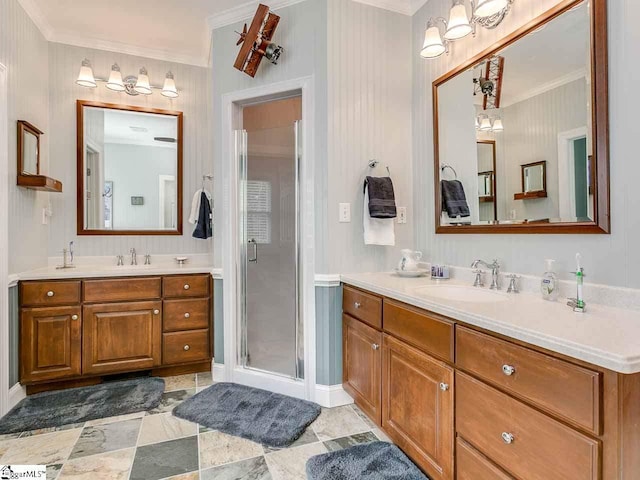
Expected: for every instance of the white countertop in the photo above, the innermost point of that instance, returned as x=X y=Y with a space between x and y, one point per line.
x=605 y=336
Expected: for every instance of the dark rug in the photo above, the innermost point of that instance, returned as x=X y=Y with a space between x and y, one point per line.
x=264 y=417
x=77 y=405
x=369 y=461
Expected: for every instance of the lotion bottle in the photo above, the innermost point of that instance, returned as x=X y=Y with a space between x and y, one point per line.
x=549 y=283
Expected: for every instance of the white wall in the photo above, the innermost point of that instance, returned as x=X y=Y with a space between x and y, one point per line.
x=194 y=101
x=23 y=50
x=608 y=259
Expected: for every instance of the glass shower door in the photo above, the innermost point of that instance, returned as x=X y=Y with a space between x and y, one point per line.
x=270 y=330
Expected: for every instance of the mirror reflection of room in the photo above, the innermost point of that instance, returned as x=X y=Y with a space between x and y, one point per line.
x=532 y=101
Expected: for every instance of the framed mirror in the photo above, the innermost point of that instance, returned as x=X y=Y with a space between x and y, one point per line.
x=540 y=93
x=129 y=170
x=28 y=149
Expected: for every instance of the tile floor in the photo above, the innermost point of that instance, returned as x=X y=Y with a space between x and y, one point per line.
x=156 y=445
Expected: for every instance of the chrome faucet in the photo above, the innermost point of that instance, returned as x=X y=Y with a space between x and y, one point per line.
x=495 y=270
x=134 y=256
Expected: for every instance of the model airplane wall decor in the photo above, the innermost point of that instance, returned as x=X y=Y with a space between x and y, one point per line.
x=256 y=42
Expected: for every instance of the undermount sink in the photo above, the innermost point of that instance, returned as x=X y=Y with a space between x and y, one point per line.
x=461 y=293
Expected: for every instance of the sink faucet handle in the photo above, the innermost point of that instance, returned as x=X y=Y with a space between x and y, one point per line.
x=120 y=259
x=478 y=282
x=513 y=283
x=147 y=259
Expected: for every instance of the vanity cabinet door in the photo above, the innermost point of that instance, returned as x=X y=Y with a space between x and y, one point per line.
x=417 y=406
x=121 y=337
x=50 y=343
x=361 y=365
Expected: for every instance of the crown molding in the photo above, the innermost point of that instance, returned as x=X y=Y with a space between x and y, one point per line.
x=242 y=12
x=546 y=87
x=36 y=15
x=405 y=7
x=417 y=5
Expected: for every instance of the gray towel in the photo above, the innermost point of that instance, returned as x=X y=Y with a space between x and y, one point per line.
x=204 y=228
x=382 y=200
x=454 y=201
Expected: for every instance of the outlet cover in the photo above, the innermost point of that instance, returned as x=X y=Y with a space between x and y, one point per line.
x=402 y=214
x=345 y=213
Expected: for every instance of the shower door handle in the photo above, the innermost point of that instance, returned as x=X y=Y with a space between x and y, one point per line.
x=255 y=250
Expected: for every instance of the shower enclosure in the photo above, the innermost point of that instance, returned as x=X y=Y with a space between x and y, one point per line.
x=270 y=332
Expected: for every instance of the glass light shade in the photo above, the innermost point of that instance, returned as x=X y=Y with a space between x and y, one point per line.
x=142 y=84
x=85 y=77
x=477 y=123
x=169 y=88
x=458 y=25
x=485 y=124
x=497 y=125
x=433 y=46
x=486 y=8
x=115 y=79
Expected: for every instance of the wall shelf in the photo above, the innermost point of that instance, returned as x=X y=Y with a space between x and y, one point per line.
x=530 y=195
x=40 y=182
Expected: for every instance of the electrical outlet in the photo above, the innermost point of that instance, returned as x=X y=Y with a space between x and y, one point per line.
x=402 y=214
x=345 y=213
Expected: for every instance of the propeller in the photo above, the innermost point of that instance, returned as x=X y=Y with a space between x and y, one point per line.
x=243 y=35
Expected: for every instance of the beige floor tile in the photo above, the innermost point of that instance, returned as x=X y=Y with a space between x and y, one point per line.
x=117 y=418
x=217 y=448
x=381 y=435
x=204 y=379
x=186 y=476
x=180 y=382
x=289 y=464
x=338 y=422
x=106 y=466
x=45 y=449
x=162 y=427
x=363 y=416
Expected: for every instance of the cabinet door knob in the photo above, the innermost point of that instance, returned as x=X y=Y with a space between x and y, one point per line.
x=156 y=312
x=508 y=370
x=375 y=346
x=187 y=315
x=444 y=387
x=507 y=438
x=186 y=287
x=186 y=348
x=74 y=317
x=357 y=304
x=50 y=293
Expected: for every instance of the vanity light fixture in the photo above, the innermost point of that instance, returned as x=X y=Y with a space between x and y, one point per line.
x=497 y=125
x=485 y=123
x=131 y=84
x=486 y=13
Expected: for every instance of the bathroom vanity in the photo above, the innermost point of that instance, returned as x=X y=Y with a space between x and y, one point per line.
x=487 y=390
x=77 y=330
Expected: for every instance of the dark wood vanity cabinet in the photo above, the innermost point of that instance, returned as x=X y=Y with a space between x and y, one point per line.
x=114 y=325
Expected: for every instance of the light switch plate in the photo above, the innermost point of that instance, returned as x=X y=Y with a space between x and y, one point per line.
x=345 y=213
x=402 y=214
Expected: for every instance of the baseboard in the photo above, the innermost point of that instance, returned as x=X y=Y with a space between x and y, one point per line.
x=219 y=373
x=332 y=396
x=16 y=393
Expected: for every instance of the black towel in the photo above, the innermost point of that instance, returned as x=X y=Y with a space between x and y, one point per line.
x=204 y=229
x=382 y=200
x=454 y=201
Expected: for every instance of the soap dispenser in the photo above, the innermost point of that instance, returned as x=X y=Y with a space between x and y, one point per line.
x=549 y=283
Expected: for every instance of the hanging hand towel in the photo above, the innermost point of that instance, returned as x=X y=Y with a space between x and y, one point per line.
x=382 y=200
x=195 y=206
x=454 y=201
x=204 y=228
x=377 y=231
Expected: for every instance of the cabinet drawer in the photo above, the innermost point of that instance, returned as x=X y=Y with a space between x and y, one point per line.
x=556 y=386
x=37 y=294
x=185 y=347
x=186 y=286
x=424 y=330
x=363 y=306
x=186 y=314
x=540 y=448
x=122 y=289
x=472 y=465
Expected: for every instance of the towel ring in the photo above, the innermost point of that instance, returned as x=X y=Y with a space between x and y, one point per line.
x=205 y=178
x=444 y=167
x=375 y=163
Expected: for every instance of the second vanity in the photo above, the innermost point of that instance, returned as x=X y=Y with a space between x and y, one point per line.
x=493 y=386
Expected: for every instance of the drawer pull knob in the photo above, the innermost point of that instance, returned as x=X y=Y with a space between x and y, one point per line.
x=508 y=370
x=50 y=293
x=357 y=304
x=186 y=287
x=508 y=438
x=444 y=387
x=375 y=346
x=74 y=317
x=186 y=348
x=156 y=312
x=187 y=315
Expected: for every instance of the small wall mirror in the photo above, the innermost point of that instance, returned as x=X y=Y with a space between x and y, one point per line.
x=525 y=126
x=28 y=149
x=129 y=170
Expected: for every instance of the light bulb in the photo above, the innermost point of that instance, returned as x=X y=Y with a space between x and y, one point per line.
x=169 y=88
x=458 y=25
x=85 y=77
x=433 y=46
x=115 y=79
x=142 y=84
x=487 y=8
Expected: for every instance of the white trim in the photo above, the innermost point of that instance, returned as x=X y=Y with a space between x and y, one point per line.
x=4 y=244
x=217 y=274
x=36 y=15
x=546 y=87
x=566 y=174
x=330 y=396
x=13 y=280
x=219 y=373
x=16 y=393
x=417 y=5
x=242 y=12
x=398 y=6
x=231 y=111
x=327 y=280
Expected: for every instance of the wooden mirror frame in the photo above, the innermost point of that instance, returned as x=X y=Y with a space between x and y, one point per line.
x=524 y=194
x=24 y=126
x=80 y=104
x=599 y=120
